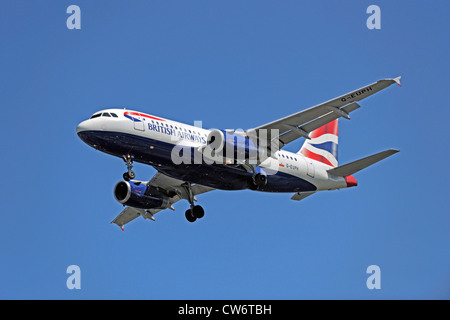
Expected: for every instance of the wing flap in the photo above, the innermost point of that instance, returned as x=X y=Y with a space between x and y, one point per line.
x=127 y=215
x=292 y=135
x=329 y=110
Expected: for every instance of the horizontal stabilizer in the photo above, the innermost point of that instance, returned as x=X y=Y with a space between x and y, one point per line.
x=302 y=195
x=355 y=166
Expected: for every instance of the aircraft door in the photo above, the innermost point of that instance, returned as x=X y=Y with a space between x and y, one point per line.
x=139 y=123
x=309 y=168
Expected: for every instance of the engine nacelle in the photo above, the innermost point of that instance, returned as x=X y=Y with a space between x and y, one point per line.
x=139 y=195
x=221 y=143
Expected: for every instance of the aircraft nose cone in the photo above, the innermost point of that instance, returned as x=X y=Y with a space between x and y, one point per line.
x=82 y=127
x=83 y=131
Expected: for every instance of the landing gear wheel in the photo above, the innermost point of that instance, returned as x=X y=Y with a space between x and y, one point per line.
x=260 y=180
x=189 y=216
x=198 y=212
x=257 y=182
x=251 y=184
x=127 y=176
x=195 y=212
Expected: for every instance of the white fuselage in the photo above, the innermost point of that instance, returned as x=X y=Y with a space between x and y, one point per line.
x=169 y=132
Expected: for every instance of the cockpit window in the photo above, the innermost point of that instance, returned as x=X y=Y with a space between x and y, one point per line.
x=114 y=115
x=96 y=115
x=105 y=114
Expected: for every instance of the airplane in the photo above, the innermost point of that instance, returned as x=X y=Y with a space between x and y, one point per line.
x=191 y=160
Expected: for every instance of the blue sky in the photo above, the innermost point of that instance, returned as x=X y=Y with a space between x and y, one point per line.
x=231 y=64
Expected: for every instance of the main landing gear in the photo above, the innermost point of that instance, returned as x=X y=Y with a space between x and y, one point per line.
x=196 y=211
x=257 y=182
x=129 y=175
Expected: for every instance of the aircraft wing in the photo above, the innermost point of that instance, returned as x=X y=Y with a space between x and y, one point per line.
x=173 y=188
x=127 y=215
x=301 y=123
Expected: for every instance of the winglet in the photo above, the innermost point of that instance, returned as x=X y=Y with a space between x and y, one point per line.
x=397 y=80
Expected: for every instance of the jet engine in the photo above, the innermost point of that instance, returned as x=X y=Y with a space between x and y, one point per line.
x=138 y=195
x=231 y=145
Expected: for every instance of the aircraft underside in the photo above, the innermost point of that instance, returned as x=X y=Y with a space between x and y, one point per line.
x=218 y=176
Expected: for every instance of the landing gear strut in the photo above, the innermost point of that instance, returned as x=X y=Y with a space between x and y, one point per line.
x=196 y=211
x=129 y=175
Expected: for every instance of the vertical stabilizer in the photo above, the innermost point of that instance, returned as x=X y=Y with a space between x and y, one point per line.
x=323 y=144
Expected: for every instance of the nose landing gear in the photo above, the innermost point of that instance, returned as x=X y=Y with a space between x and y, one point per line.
x=129 y=175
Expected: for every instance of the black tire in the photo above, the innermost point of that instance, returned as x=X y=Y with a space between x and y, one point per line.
x=131 y=174
x=251 y=185
x=260 y=180
x=189 y=216
x=198 y=212
x=126 y=176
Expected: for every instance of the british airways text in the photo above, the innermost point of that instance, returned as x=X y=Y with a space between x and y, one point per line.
x=177 y=133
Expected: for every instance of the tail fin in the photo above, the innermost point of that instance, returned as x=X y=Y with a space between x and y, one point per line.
x=323 y=145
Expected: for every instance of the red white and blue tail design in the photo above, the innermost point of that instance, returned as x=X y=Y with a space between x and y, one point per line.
x=323 y=145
